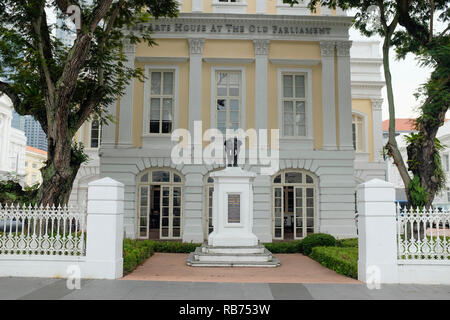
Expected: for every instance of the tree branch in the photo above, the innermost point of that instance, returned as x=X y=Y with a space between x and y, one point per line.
x=44 y=48
x=94 y=98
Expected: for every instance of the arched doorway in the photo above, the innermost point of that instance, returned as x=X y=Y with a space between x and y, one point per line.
x=160 y=204
x=294 y=202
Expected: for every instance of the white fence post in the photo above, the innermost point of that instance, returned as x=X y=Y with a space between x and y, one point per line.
x=377 y=225
x=105 y=228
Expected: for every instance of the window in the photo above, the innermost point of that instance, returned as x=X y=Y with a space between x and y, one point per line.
x=228 y=100
x=162 y=97
x=448 y=194
x=294 y=105
x=34 y=166
x=358 y=133
x=95 y=133
x=445 y=163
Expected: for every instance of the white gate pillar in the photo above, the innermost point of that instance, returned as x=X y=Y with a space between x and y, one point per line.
x=377 y=245
x=104 y=247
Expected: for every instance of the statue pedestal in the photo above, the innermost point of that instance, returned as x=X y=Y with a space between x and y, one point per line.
x=233 y=243
x=233 y=208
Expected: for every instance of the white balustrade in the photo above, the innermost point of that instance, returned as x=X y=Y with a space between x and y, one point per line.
x=39 y=230
x=423 y=234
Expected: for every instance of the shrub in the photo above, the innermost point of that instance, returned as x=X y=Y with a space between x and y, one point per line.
x=285 y=247
x=135 y=252
x=317 y=240
x=343 y=260
x=353 y=242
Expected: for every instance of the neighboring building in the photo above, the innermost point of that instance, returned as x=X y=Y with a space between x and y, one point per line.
x=18 y=121
x=404 y=127
x=248 y=64
x=12 y=144
x=36 y=137
x=34 y=161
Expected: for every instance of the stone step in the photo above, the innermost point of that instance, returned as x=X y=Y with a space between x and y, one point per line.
x=251 y=264
x=257 y=256
x=233 y=250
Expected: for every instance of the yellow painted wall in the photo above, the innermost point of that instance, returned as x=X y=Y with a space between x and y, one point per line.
x=294 y=50
x=186 y=6
x=336 y=99
x=207 y=6
x=271 y=6
x=251 y=6
x=228 y=49
x=365 y=106
x=164 y=48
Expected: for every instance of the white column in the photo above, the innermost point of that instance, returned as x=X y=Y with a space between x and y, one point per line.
x=377 y=244
x=105 y=231
x=261 y=7
x=197 y=5
x=4 y=142
x=377 y=130
x=126 y=102
x=261 y=82
x=344 y=94
x=328 y=95
x=195 y=81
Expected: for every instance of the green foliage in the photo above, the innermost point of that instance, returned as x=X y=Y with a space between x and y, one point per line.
x=135 y=252
x=343 y=260
x=317 y=240
x=344 y=243
x=419 y=196
x=11 y=192
x=285 y=247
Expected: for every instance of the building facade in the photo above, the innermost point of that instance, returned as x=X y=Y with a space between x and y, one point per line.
x=249 y=65
x=12 y=144
x=34 y=161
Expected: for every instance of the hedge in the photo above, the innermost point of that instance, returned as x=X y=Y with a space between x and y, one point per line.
x=135 y=252
x=343 y=260
x=353 y=242
x=285 y=247
x=317 y=240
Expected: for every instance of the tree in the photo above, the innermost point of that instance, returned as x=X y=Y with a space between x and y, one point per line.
x=61 y=86
x=433 y=49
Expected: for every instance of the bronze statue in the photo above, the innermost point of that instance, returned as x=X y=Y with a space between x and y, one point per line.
x=232 y=149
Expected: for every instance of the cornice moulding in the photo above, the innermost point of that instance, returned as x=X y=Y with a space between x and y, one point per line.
x=229 y=60
x=297 y=62
x=162 y=59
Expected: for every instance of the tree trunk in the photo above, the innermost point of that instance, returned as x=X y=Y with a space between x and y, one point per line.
x=59 y=172
x=392 y=146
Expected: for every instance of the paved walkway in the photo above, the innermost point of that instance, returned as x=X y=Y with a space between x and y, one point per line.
x=53 y=289
x=295 y=268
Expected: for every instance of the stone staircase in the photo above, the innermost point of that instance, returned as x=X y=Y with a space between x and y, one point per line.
x=209 y=256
